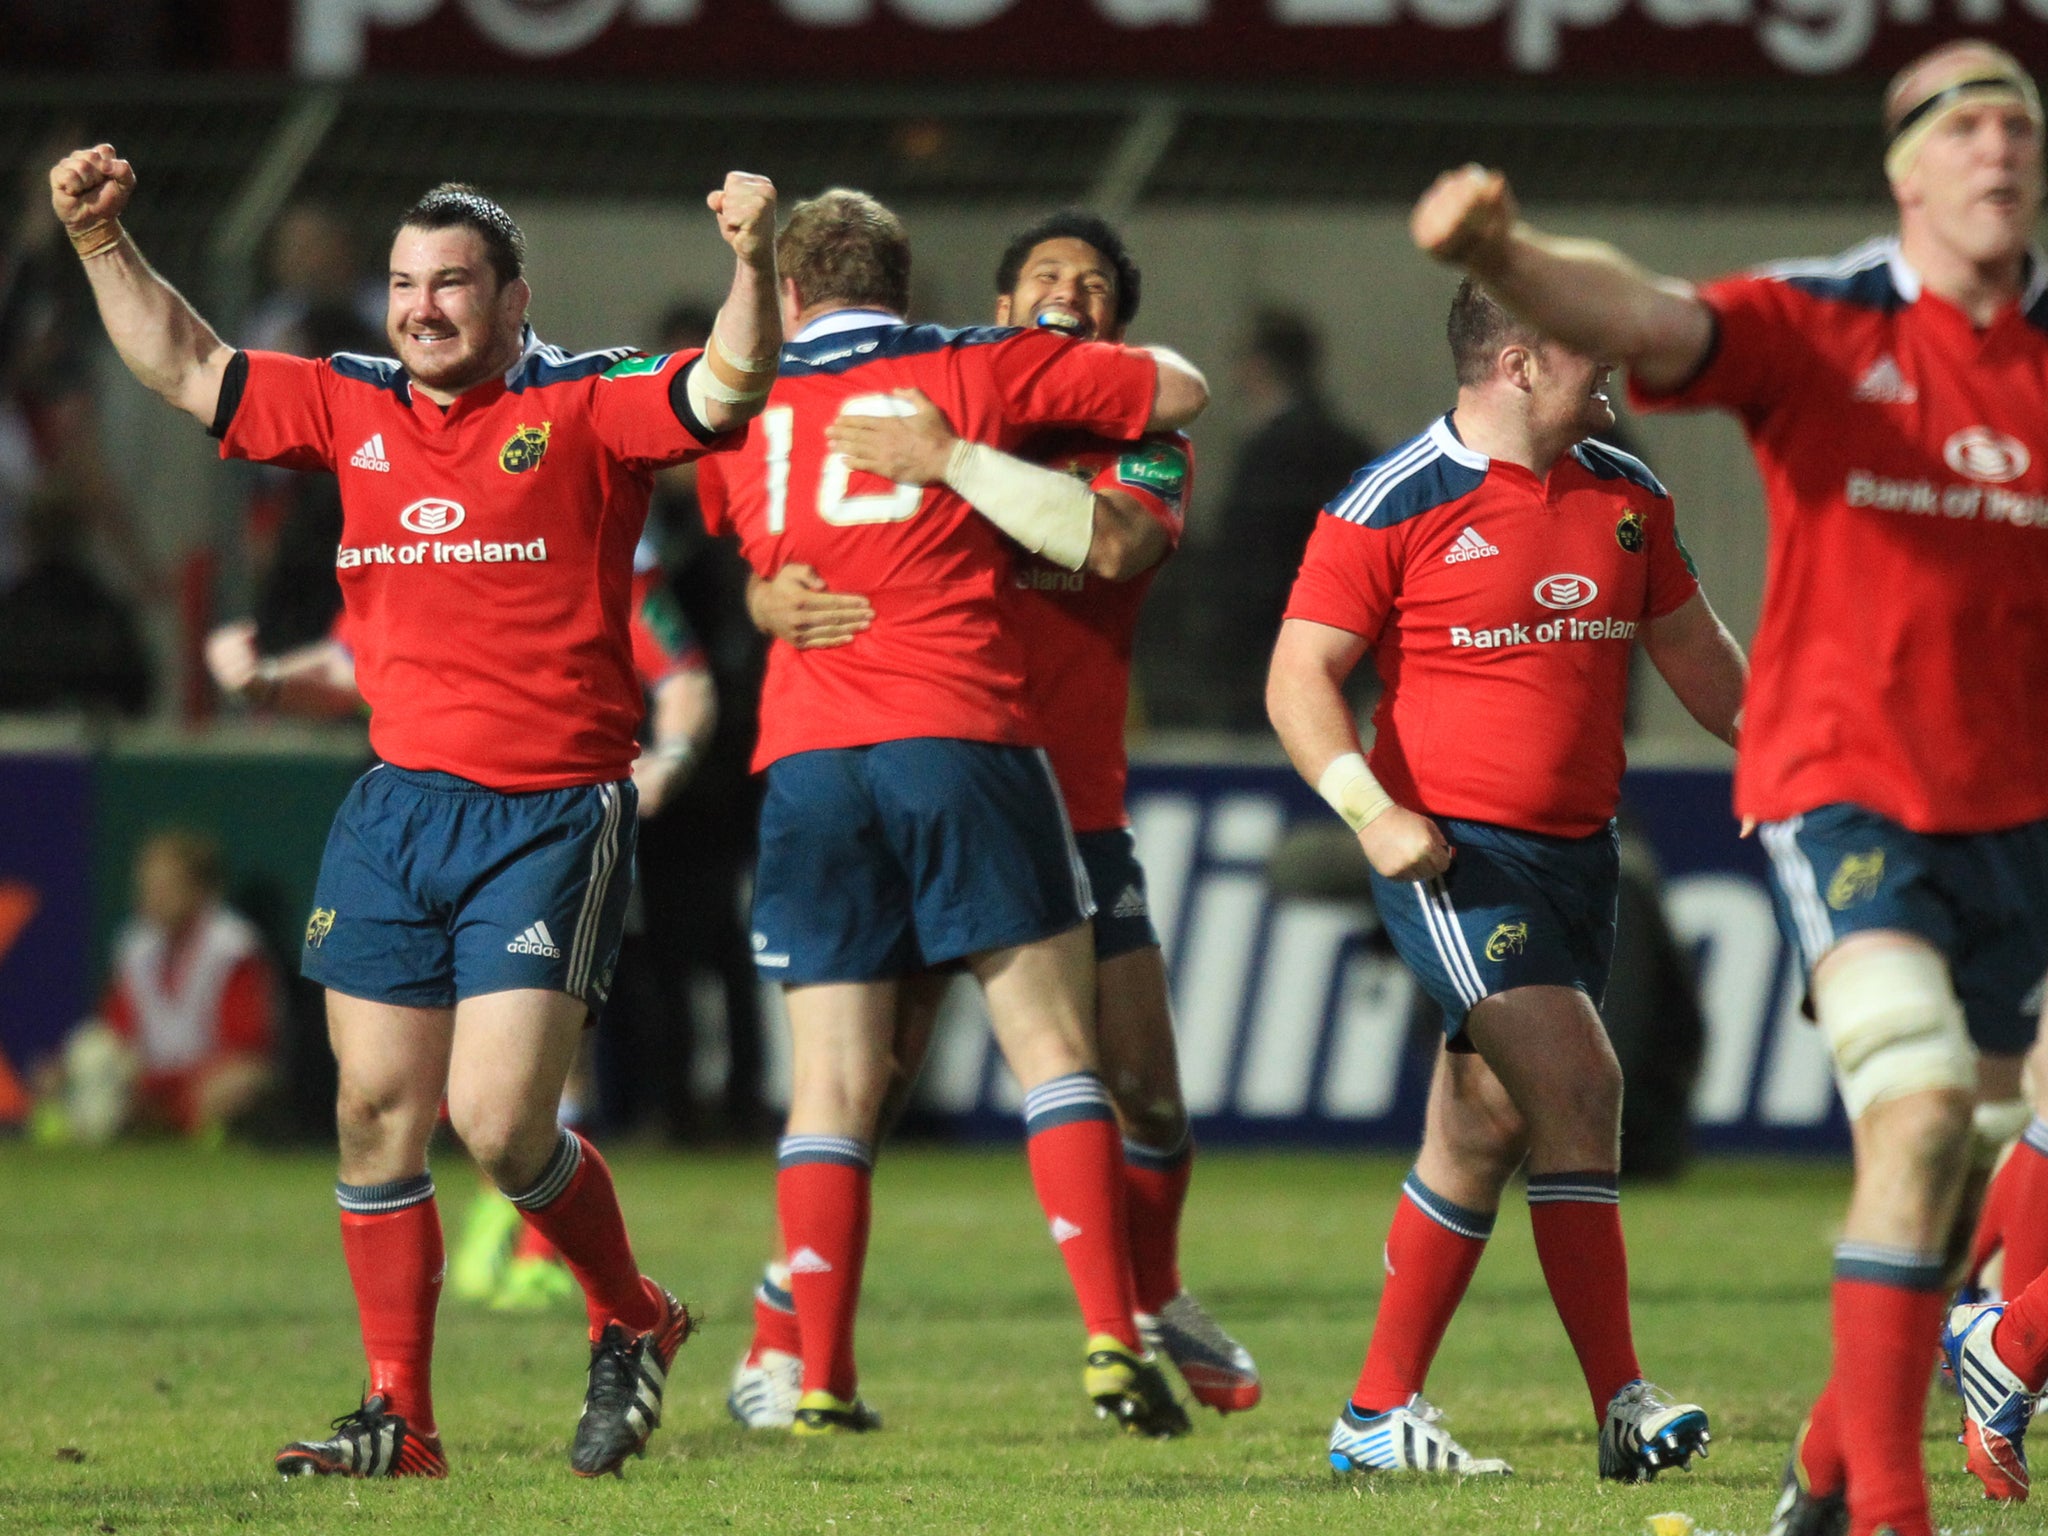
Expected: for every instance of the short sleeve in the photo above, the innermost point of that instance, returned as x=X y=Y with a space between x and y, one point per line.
x=1043 y=379
x=1349 y=577
x=636 y=416
x=1673 y=577
x=1158 y=474
x=1758 y=353
x=285 y=413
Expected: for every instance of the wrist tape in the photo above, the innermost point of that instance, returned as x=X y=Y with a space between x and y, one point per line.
x=1353 y=793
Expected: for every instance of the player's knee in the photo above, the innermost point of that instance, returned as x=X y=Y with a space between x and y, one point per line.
x=1893 y=1024
x=1996 y=1124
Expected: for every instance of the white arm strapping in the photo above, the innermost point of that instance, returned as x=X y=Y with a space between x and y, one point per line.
x=1049 y=513
x=1353 y=793
x=701 y=386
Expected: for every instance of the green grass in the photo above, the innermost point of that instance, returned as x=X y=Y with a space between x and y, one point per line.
x=174 y=1316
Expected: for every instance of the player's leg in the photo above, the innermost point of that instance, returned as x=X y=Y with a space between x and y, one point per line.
x=767 y=1384
x=391 y=1064
x=1473 y=1140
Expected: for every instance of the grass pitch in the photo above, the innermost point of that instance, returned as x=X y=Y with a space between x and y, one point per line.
x=172 y=1316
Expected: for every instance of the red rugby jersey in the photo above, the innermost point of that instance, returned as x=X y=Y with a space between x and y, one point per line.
x=1904 y=453
x=486 y=557
x=1077 y=630
x=1501 y=610
x=938 y=659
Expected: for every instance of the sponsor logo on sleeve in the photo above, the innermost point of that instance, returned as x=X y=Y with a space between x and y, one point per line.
x=525 y=448
x=635 y=367
x=1156 y=468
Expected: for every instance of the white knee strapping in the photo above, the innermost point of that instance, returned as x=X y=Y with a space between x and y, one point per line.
x=1892 y=1021
x=1995 y=1124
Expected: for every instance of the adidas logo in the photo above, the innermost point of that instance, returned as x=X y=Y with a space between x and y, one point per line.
x=1130 y=904
x=1469 y=546
x=371 y=456
x=1064 y=1230
x=1883 y=384
x=535 y=941
x=808 y=1261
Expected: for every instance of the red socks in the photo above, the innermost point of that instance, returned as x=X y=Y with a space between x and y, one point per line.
x=1577 y=1221
x=1820 y=1452
x=2021 y=1337
x=1432 y=1249
x=2022 y=1188
x=574 y=1206
x=1888 y=1306
x=822 y=1191
x=391 y=1238
x=1077 y=1167
x=1155 y=1190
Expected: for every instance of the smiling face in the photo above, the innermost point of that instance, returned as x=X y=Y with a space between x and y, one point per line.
x=1065 y=285
x=450 y=321
x=1975 y=186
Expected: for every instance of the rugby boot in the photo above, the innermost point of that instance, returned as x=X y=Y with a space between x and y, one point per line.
x=766 y=1386
x=820 y=1413
x=1646 y=1433
x=1218 y=1370
x=1131 y=1389
x=1801 y=1511
x=1996 y=1403
x=1404 y=1439
x=370 y=1442
x=623 y=1404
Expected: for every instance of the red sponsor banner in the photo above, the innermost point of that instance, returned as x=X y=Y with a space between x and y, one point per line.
x=1411 y=42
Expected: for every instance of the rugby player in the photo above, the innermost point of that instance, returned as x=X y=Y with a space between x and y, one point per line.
x=1070 y=272
x=1500 y=568
x=906 y=823
x=468 y=905
x=1895 y=750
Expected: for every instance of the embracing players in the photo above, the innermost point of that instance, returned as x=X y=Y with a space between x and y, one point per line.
x=1501 y=568
x=1077 y=620
x=469 y=903
x=1895 y=746
x=907 y=822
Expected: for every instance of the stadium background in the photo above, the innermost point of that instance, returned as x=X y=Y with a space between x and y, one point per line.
x=1255 y=153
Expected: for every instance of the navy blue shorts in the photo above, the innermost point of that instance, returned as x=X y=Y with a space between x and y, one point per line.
x=879 y=861
x=434 y=889
x=1980 y=898
x=1123 y=915
x=1515 y=909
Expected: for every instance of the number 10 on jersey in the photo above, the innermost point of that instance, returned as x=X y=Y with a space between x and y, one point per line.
x=898 y=504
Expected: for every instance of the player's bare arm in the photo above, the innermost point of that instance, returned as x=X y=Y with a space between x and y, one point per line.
x=159 y=336
x=1181 y=395
x=1701 y=662
x=1584 y=293
x=796 y=606
x=316 y=681
x=746 y=339
x=1305 y=699
x=1108 y=534
x=685 y=713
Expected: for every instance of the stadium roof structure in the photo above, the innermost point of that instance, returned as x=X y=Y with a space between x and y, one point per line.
x=223 y=154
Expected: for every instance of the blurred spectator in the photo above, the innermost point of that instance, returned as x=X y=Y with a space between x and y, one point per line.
x=66 y=640
x=312 y=263
x=1296 y=455
x=697 y=853
x=183 y=1040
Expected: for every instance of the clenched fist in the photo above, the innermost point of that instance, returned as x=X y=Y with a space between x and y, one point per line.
x=1465 y=217
x=90 y=186
x=1404 y=845
x=745 y=206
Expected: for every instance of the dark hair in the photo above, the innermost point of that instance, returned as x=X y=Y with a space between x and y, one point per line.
x=844 y=247
x=1478 y=329
x=1284 y=340
x=685 y=323
x=1090 y=229
x=196 y=853
x=456 y=203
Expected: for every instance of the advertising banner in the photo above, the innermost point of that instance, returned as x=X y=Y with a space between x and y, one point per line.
x=718 y=42
x=46 y=972
x=1295 y=1027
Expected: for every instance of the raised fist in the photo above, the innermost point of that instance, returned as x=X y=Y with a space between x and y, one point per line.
x=1465 y=217
x=745 y=206
x=90 y=186
x=1404 y=845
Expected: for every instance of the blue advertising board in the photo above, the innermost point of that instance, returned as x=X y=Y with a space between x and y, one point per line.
x=45 y=900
